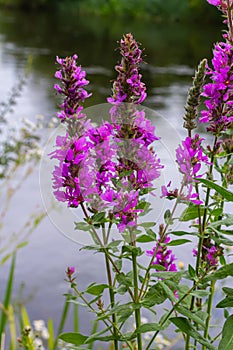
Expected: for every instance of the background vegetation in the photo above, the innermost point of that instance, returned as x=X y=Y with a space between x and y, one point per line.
x=157 y=9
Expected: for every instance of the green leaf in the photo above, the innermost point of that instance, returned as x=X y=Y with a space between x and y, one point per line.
x=185 y=326
x=124 y=280
x=167 y=290
x=168 y=217
x=226 y=343
x=176 y=242
x=182 y=233
x=192 y=272
x=200 y=293
x=148 y=327
x=145 y=239
x=227 y=302
x=220 y=274
x=124 y=313
x=169 y=275
x=114 y=244
x=83 y=226
x=154 y=296
x=227 y=221
x=147 y=224
x=191 y=213
x=96 y=289
x=228 y=195
x=98 y=218
x=73 y=338
x=228 y=291
x=191 y=315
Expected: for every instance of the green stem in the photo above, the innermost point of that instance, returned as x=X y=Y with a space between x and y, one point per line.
x=136 y=297
x=156 y=250
x=97 y=313
x=112 y=300
x=209 y=309
x=170 y=313
x=95 y=234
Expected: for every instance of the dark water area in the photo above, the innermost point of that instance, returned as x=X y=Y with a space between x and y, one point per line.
x=172 y=52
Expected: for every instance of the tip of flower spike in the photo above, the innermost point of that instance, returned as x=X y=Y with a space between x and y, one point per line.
x=70 y=271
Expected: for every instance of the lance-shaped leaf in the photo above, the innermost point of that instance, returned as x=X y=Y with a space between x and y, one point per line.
x=228 y=195
x=185 y=326
x=226 y=343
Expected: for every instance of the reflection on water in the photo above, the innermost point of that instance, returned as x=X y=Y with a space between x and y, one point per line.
x=172 y=52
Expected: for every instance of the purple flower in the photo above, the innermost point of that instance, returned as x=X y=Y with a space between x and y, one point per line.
x=215 y=2
x=128 y=86
x=163 y=256
x=190 y=159
x=219 y=92
x=72 y=80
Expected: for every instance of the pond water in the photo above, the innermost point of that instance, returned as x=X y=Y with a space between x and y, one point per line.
x=172 y=51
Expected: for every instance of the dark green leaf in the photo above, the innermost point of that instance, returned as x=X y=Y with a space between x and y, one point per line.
x=220 y=274
x=73 y=338
x=192 y=271
x=191 y=213
x=226 y=343
x=176 y=242
x=185 y=326
x=145 y=239
x=96 y=289
x=228 y=291
x=228 y=195
x=182 y=233
x=227 y=302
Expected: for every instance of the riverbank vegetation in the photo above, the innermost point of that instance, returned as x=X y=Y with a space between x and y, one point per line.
x=176 y=10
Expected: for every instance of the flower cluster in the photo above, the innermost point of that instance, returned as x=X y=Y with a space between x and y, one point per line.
x=162 y=255
x=190 y=158
x=128 y=86
x=219 y=93
x=72 y=79
x=107 y=167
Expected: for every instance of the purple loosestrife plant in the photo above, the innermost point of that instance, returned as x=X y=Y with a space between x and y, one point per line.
x=108 y=171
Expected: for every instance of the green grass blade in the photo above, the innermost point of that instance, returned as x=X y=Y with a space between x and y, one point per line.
x=94 y=330
x=25 y=317
x=8 y=294
x=12 y=328
x=63 y=320
x=51 y=334
x=76 y=322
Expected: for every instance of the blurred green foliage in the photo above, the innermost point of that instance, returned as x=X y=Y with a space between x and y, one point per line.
x=157 y=9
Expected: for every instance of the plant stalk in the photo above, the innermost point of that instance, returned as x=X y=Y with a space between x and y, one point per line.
x=136 y=297
x=112 y=299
